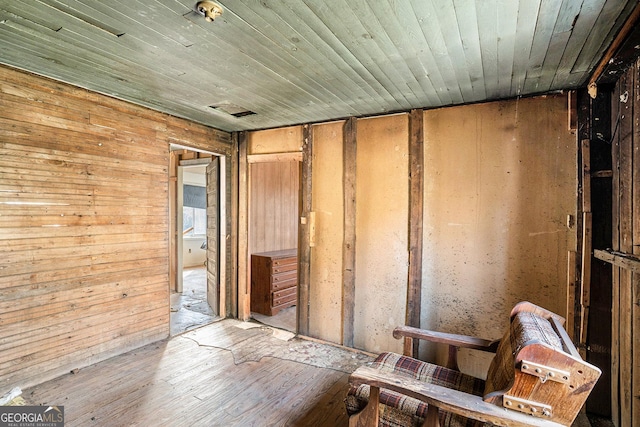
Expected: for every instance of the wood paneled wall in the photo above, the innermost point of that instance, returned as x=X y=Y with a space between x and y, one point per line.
x=84 y=229
x=626 y=244
x=274 y=206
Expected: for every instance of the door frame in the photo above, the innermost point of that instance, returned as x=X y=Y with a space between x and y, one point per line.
x=176 y=245
x=244 y=264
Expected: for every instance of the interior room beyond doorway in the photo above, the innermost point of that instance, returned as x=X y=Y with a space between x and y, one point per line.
x=273 y=239
x=189 y=308
x=195 y=262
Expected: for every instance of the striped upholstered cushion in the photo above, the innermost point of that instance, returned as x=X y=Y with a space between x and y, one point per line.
x=397 y=410
x=526 y=328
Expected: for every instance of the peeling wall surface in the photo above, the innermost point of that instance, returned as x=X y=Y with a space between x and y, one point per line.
x=325 y=309
x=500 y=181
x=382 y=211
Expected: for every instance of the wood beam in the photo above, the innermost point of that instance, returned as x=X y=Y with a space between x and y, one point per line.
x=624 y=195
x=173 y=227
x=304 y=236
x=619 y=259
x=615 y=244
x=349 y=242
x=275 y=157
x=587 y=232
x=610 y=68
x=416 y=216
x=571 y=293
x=232 y=222
x=585 y=282
x=231 y=215
x=635 y=242
x=244 y=291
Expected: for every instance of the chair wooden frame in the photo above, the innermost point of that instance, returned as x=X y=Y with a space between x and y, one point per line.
x=494 y=406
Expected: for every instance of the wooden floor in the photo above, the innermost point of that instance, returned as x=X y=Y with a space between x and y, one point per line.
x=190 y=309
x=223 y=374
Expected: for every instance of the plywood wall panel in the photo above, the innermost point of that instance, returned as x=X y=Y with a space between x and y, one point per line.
x=84 y=227
x=325 y=294
x=382 y=213
x=500 y=180
x=281 y=140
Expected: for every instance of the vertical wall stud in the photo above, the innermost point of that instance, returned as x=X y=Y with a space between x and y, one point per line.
x=349 y=245
x=304 y=247
x=416 y=217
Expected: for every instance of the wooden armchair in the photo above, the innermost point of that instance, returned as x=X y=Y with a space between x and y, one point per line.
x=536 y=378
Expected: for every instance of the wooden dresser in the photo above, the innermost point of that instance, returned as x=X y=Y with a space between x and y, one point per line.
x=274 y=281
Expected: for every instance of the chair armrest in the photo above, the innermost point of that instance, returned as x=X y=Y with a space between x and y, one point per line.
x=542 y=312
x=447 y=399
x=445 y=338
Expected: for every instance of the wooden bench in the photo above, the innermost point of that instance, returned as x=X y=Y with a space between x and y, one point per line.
x=536 y=378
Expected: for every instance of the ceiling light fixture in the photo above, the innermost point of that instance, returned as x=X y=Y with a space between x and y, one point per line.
x=210 y=10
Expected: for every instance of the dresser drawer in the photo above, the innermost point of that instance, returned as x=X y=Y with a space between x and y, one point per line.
x=291 y=283
x=284 y=277
x=285 y=296
x=284 y=265
x=281 y=262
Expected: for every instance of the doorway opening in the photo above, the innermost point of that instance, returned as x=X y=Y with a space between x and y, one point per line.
x=274 y=210
x=196 y=210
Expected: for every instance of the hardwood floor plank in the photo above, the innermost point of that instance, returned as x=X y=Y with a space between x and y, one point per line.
x=222 y=374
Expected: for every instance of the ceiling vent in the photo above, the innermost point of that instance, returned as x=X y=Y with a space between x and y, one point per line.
x=232 y=110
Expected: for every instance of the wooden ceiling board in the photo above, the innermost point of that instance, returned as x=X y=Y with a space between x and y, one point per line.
x=67 y=44
x=391 y=40
x=404 y=32
x=302 y=69
x=368 y=49
x=283 y=67
x=440 y=29
x=318 y=60
x=334 y=55
x=301 y=61
x=115 y=49
x=525 y=31
x=469 y=35
x=568 y=14
x=609 y=10
x=507 y=30
x=488 y=35
x=342 y=55
x=65 y=62
x=574 y=41
x=296 y=70
x=542 y=38
x=208 y=49
x=157 y=63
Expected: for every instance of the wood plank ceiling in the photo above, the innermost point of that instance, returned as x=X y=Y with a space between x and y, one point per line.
x=299 y=61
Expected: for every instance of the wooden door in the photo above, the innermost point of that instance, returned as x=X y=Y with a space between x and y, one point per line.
x=213 y=233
